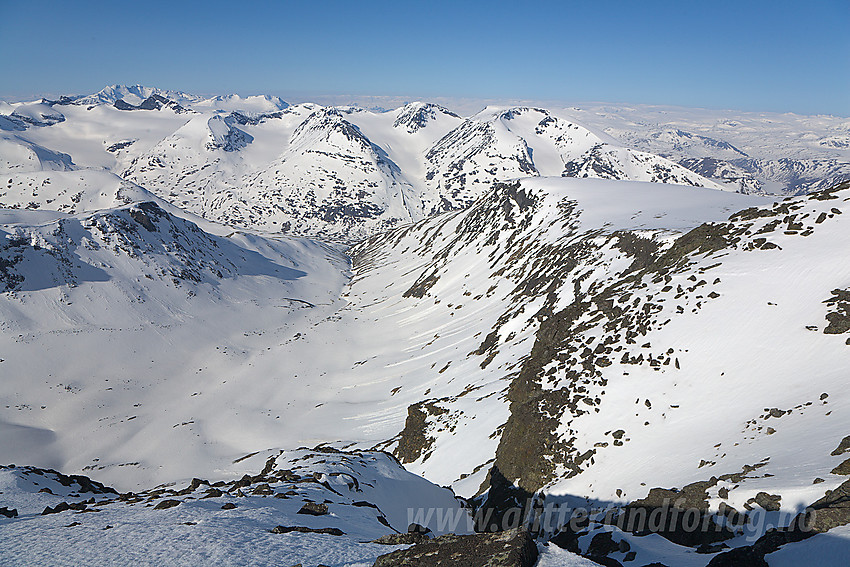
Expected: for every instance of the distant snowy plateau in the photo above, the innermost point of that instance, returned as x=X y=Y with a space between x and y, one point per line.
x=235 y=331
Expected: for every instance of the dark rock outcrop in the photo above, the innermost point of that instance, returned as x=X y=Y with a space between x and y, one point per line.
x=514 y=548
x=314 y=509
x=305 y=530
x=165 y=504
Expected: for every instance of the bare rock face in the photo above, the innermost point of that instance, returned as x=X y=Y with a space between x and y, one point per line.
x=514 y=548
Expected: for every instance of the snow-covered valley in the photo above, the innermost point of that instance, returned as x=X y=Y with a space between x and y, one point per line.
x=523 y=302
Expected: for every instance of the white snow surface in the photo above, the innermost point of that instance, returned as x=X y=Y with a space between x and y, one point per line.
x=159 y=321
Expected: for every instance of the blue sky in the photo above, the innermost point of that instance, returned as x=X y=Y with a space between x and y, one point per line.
x=748 y=55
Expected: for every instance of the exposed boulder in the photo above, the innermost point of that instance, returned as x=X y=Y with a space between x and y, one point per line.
x=314 y=509
x=165 y=504
x=514 y=548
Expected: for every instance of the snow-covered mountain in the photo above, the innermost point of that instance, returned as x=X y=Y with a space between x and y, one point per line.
x=586 y=326
x=339 y=173
x=749 y=152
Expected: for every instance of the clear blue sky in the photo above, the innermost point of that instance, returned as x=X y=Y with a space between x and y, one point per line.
x=775 y=55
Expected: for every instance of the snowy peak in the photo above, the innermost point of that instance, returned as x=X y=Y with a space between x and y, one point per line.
x=132 y=95
x=414 y=116
x=256 y=104
x=329 y=126
x=499 y=144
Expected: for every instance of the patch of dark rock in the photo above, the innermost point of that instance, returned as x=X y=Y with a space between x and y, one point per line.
x=769 y=502
x=305 y=530
x=708 y=548
x=262 y=490
x=603 y=544
x=739 y=557
x=421 y=286
x=831 y=511
x=194 y=485
x=401 y=539
x=680 y=516
x=165 y=504
x=413 y=441
x=9 y=512
x=839 y=319
x=505 y=505
x=228 y=506
x=842 y=469
x=514 y=548
x=314 y=509
x=246 y=480
x=415 y=528
x=85 y=483
x=61 y=507
x=568 y=537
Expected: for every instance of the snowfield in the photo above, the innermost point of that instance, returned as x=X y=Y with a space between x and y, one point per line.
x=457 y=314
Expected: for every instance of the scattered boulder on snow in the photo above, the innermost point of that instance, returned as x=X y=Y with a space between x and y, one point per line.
x=165 y=504
x=314 y=509
x=8 y=512
x=417 y=529
x=680 y=516
x=769 y=502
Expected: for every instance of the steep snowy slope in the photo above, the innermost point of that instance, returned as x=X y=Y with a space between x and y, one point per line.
x=626 y=302
x=727 y=341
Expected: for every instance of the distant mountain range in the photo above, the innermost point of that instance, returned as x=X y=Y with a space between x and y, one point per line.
x=344 y=172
